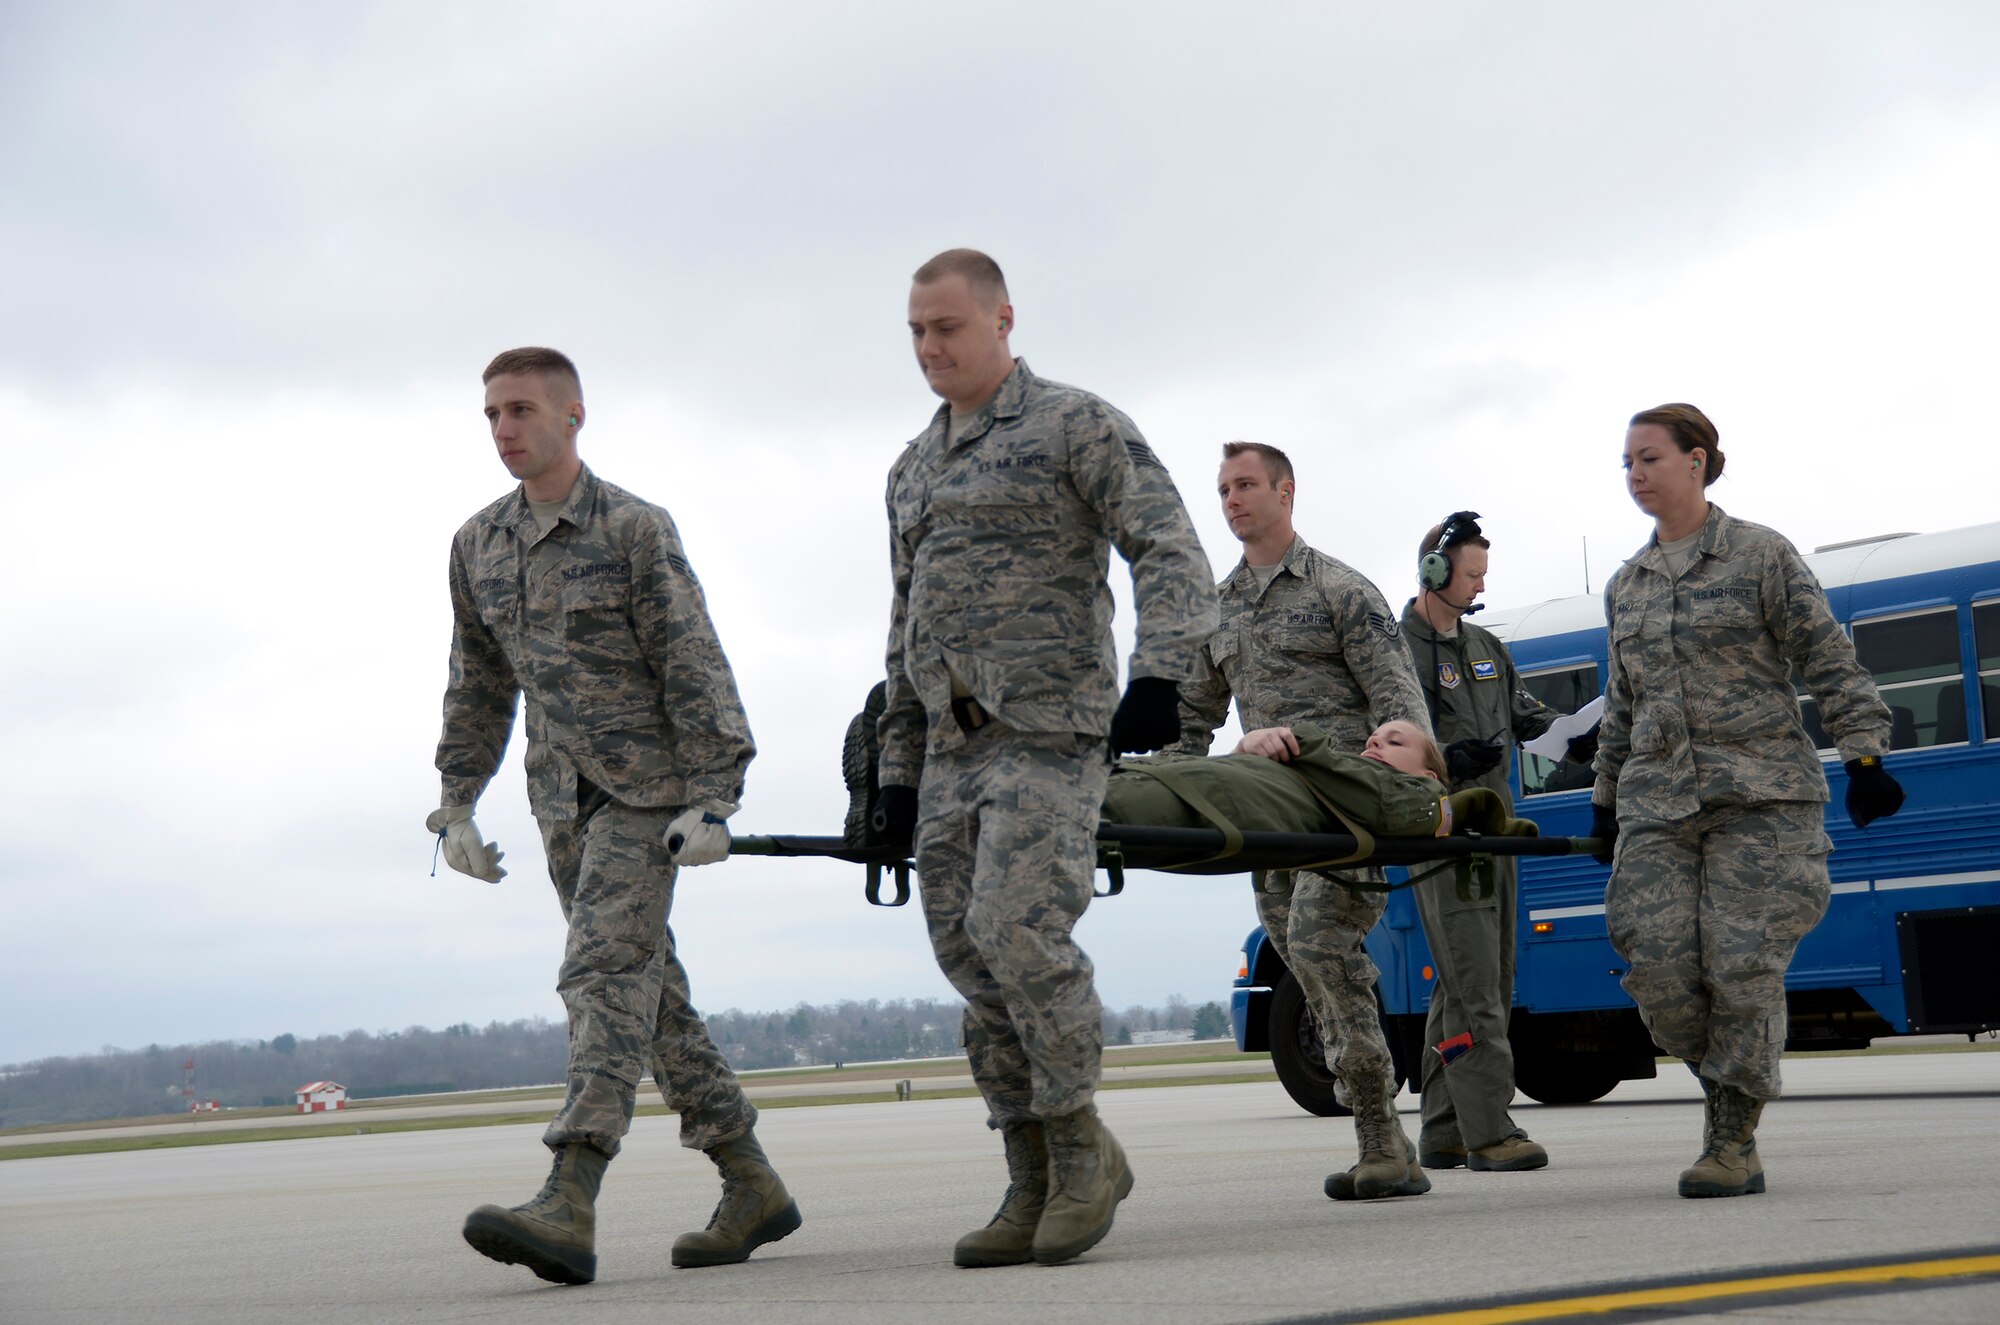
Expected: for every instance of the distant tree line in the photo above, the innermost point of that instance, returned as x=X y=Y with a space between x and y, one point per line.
x=131 y=1083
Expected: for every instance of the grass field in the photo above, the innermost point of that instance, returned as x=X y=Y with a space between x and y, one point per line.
x=382 y=1115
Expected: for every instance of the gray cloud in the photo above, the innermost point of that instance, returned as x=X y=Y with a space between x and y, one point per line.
x=260 y=254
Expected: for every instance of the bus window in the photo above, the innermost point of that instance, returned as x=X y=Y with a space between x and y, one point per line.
x=1986 y=637
x=1566 y=690
x=1915 y=663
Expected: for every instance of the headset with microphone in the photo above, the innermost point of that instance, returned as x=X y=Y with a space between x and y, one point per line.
x=1434 y=571
x=1434 y=568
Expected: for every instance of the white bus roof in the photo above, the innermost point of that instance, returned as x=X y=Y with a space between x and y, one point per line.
x=1849 y=563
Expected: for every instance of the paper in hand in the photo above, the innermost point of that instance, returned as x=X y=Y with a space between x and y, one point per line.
x=1554 y=743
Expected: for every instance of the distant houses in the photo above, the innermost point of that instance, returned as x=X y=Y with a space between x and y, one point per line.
x=1162 y=1037
x=321 y=1096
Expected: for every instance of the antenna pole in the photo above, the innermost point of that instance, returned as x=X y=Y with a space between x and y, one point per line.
x=1586 y=563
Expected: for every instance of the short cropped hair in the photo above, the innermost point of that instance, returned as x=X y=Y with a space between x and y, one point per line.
x=537 y=359
x=1689 y=428
x=980 y=272
x=1276 y=462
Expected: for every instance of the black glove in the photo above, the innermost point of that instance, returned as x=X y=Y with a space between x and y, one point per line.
x=895 y=818
x=1149 y=716
x=1468 y=759
x=1871 y=793
x=1603 y=827
x=1582 y=749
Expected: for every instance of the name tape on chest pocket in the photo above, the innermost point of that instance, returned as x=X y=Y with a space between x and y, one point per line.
x=1485 y=669
x=598 y=570
x=1033 y=460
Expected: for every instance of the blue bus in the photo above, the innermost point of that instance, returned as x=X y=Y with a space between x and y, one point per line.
x=1908 y=944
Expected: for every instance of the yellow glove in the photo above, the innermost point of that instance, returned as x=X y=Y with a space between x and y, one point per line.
x=464 y=850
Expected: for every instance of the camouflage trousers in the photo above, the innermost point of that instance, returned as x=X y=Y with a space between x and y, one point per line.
x=624 y=989
x=1472 y=950
x=1707 y=912
x=1318 y=928
x=1006 y=859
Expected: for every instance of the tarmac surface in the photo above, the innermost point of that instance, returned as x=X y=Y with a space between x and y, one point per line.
x=1871 y=1159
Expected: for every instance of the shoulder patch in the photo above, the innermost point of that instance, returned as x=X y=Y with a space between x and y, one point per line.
x=1141 y=453
x=679 y=565
x=1383 y=624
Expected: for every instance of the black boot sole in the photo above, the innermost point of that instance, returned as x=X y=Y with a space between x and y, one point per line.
x=1754 y=1187
x=1341 y=1187
x=991 y=1260
x=1527 y=1165
x=503 y=1242
x=858 y=754
x=780 y=1225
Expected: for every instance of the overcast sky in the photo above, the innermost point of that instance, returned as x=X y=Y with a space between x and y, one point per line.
x=257 y=254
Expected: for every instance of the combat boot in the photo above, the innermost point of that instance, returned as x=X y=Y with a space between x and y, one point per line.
x=755 y=1208
x=1088 y=1177
x=859 y=751
x=1442 y=1157
x=1728 y=1165
x=1510 y=1154
x=1009 y=1238
x=1707 y=1103
x=555 y=1234
x=1388 y=1164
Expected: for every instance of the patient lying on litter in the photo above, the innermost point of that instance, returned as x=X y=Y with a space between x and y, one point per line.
x=1291 y=780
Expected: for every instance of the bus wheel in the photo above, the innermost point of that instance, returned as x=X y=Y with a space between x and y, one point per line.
x=1566 y=1078
x=1298 y=1054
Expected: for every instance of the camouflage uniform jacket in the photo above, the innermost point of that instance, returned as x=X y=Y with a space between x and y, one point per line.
x=602 y=624
x=999 y=547
x=1475 y=692
x=1699 y=708
x=1319 y=645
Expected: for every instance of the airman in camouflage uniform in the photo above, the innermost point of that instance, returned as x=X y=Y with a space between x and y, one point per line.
x=585 y=604
x=1002 y=676
x=1480 y=713
x=1309 y=639
x=1710 y=786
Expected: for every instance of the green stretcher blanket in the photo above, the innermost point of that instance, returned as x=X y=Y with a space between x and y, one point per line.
x=1197 y=815
x=1320 y=791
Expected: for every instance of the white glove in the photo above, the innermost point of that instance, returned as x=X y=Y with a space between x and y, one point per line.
x=464 y=850
x=697 y=835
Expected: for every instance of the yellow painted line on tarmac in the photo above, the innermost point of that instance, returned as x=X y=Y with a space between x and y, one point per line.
x=1682 y=1294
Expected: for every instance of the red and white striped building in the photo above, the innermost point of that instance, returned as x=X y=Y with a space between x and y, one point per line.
x=321 y=1096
